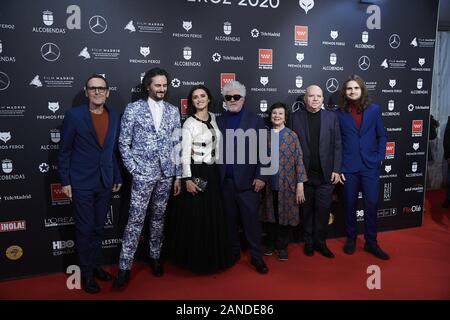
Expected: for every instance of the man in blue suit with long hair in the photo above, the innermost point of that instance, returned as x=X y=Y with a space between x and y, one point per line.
x=364 y=148
x=89 y=173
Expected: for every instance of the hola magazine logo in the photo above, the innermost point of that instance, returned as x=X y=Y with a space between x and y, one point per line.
x=265 y=58
x=10 y=226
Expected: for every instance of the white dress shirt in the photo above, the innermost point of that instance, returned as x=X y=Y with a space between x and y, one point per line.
x=156 y=109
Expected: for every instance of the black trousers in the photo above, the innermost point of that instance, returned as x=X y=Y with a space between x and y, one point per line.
x=277 y=235
x=316 y=210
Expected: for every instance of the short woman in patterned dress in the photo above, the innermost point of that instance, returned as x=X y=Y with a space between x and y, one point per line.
x=284 y=192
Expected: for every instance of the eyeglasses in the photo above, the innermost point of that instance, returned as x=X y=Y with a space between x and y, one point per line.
x=235 y=97
x=99 y=89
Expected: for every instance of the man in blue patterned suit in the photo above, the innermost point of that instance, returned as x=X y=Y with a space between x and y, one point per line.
x=149 y=135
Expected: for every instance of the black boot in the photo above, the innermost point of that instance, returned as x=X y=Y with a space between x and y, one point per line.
x=157 y=268
x=123 y=276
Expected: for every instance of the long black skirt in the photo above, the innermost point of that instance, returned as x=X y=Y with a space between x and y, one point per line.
x=198 y=237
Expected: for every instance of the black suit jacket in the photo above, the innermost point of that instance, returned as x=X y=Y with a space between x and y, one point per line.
x=244 y=174
x=330 y=146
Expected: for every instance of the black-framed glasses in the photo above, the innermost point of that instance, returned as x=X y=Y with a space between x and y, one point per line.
x=235 y=97
x=98 y=89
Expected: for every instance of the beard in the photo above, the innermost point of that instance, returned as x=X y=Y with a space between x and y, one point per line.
x=157 y=96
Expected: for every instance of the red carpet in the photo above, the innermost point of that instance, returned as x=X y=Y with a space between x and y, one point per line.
x=418 y=269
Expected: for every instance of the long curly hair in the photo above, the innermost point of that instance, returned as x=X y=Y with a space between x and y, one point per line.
x=364 y=100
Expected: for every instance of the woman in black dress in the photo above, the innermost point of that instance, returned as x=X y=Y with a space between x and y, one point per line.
x=198 y=236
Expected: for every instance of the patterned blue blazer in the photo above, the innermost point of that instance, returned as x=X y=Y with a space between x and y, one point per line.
x=146 y=151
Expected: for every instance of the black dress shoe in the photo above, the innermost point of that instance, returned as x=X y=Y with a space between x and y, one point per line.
x=102 y=275
x=350 y=246
x=260 y=266
x=157 y=268
x=90 y=285
x=309 y=250
x=323 y=249
x=123 y=276
x=268 y=250
x=376 y=251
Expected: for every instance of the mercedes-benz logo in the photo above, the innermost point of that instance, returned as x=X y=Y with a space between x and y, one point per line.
x=364 y=63
x=4 y=81
x=50 y=51
x=394 y=41
x=98 y=24
x=332 y=85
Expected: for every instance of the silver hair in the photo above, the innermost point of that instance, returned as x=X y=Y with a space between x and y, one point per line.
x=234 y=85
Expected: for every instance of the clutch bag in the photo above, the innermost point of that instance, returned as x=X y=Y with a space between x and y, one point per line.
x=200 y=182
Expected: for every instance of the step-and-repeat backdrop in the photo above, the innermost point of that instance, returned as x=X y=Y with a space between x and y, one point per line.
x=275 y=47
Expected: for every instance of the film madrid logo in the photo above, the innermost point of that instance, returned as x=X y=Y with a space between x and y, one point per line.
x=265 y=59
x=64 y=81
x=144 y=26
